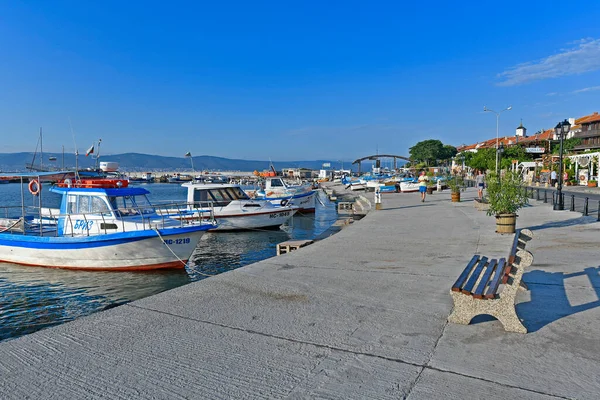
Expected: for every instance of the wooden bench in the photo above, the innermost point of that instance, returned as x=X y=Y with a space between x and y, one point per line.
x=489 y=286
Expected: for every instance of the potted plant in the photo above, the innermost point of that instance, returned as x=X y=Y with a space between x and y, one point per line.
x=455 y=184
x=430 y=183
x=505 y=196
x=592 y=183
x=429 y=187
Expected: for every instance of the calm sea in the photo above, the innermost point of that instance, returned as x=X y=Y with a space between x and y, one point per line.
x=33 y=298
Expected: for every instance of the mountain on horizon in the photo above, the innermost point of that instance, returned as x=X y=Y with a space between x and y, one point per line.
x=136 y=162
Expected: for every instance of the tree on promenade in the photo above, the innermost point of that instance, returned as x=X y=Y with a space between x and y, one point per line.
x=428 y=151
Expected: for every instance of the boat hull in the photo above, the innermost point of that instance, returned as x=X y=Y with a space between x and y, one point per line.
x=270 y=219
x=407 y=187
x=133 y=251
x=305 y=202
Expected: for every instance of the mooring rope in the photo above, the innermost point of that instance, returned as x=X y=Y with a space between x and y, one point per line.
x=155 y=229
x=8 y=228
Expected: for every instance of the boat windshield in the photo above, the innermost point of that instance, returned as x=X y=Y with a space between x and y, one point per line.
x=79 y=204
x=276 y=183
x=221 y=195
x=131 y=205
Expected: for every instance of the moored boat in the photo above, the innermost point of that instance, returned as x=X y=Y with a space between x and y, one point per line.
x=102 y=224
x=278 y=192
x=409 y=186
x=233 y=209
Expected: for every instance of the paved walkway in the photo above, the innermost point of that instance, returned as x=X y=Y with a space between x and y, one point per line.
x=359 y=315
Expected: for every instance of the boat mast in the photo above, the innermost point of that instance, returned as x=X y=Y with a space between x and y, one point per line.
x=41 y=151
x=98 y=154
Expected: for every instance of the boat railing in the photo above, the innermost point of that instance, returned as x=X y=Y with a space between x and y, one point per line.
x=186 y=213
x=45 y=221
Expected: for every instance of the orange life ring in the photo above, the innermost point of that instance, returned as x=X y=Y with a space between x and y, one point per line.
x=34 y=187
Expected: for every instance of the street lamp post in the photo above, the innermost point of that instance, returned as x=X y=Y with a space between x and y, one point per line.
x=499 y=155
x=561 y=130
x=485 y=109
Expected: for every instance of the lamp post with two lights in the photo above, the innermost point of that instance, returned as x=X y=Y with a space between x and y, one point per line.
x=561 y=130
x=485 y=109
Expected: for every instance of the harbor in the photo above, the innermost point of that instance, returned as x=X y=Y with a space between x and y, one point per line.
x=360 y=314
x=299 y=201
x=35 y=298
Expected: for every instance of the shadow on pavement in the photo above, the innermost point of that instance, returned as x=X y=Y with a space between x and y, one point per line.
x=565 y=223
x=402 y=208
x=549 y=298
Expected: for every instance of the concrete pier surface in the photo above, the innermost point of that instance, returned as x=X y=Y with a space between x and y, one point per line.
x=361 y=314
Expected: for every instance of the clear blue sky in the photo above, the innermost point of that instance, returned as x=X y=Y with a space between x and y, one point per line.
x=286 y=80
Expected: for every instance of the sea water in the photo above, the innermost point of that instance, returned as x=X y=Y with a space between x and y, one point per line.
x=33 y=298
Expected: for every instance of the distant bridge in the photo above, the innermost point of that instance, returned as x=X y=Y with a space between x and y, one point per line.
x=377 y=157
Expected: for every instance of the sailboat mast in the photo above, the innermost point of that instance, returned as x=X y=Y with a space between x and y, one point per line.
x=41 y=151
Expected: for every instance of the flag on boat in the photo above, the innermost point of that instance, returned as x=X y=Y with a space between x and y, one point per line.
x=188 y=154
x=89 y=151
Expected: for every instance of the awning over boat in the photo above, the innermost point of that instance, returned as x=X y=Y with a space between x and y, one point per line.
x=35 y=174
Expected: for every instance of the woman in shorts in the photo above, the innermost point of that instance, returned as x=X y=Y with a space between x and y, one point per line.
x=480 y=183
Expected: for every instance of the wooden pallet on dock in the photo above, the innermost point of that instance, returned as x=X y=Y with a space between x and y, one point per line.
x=286 y=247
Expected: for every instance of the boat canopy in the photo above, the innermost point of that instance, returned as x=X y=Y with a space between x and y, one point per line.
x=128 y=191
x=35 y=174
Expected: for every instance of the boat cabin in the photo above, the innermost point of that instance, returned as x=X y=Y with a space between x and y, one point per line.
x=87 y=210
x=219 y=194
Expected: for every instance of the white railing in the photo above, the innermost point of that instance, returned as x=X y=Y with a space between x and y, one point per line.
x=45 y=221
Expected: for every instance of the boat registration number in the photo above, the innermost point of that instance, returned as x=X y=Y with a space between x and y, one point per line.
x=280 y=214
x=177 y=241
x=83 y=224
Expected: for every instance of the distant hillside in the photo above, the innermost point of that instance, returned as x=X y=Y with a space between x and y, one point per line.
x=13 y=162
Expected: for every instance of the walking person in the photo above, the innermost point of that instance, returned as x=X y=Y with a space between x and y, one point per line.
x=423 y=185
x=480 y=183
x=553 y=178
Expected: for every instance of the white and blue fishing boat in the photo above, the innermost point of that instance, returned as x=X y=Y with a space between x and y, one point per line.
x=102 y=224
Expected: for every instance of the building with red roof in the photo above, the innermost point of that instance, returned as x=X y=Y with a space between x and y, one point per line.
x=587 y=128
x=589 y=132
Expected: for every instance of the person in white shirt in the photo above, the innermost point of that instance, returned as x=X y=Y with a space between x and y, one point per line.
x=423 y=185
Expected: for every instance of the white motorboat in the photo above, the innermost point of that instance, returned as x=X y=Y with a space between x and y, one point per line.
x=409 y=186
x=234 y=209
x=278 y=192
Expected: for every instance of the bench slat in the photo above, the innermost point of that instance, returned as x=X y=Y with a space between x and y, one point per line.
x=507 y=271
x=463 y=276
x=514 y=247
x=478 y=294
x=495 y=283
x=468 y=288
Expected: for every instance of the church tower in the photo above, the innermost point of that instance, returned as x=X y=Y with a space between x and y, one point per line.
x=521 y=131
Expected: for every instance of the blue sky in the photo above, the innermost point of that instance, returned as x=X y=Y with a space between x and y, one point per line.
x=290 y=80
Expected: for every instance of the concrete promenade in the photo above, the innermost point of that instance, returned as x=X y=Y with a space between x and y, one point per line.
x=359 y=315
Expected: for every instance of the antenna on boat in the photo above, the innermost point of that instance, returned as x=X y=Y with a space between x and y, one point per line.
x=272 y=166
x=76 y=151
